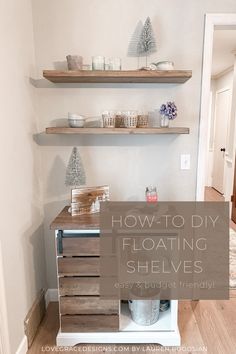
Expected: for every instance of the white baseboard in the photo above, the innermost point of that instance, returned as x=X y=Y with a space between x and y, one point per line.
x=23 y=347
x=51 y=296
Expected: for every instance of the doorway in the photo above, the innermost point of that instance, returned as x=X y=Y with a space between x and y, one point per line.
x=216 y=158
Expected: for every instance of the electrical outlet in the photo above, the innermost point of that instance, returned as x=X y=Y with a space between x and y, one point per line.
x=185 y=162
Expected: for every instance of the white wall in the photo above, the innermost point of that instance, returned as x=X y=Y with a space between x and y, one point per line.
x=127 y=164
x=21 y=236
x=224 y=81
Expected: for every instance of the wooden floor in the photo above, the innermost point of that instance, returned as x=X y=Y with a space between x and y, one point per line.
x=211 y=195
x=203 y=325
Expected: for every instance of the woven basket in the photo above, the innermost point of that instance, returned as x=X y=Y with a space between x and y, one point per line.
x=119 y=121
x=142 y=121
x=108 y=121
x=131 y=120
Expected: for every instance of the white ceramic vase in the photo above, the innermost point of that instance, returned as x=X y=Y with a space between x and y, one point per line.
x=164 y=121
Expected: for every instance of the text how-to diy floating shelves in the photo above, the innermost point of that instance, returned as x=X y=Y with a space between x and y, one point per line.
x=116 y=131
x=127 y=76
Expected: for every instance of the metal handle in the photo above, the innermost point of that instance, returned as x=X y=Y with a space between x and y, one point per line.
x=59 y=242
x=222 y=149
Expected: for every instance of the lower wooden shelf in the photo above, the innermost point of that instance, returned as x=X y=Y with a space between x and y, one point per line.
x=116 y=131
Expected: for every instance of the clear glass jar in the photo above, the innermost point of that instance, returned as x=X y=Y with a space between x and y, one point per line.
x=114 y=63
x=98 y=63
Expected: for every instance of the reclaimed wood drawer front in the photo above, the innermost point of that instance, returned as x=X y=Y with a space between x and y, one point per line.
x=89 y=323
x=80 y=246
x=78 y=266
x=78 y=286
x=76 y=305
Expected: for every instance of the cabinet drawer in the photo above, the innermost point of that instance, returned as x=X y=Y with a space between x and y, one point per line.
x=89 y=323
x=79 y=246
x=89 y=305
x=78 y=286
x=78 y=266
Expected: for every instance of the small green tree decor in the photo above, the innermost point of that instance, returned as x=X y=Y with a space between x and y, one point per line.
x=147 y=42
x=75 y=174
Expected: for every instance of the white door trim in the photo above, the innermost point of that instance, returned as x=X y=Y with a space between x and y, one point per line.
x=217 y=93
x=211 y=21
x=228 y=123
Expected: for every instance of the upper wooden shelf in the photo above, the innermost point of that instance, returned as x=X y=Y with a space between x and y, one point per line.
x=128 y=76
x=121 y=131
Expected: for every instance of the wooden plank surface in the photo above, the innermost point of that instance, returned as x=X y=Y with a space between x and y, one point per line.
x=89 y=305
x=78 y=286
x=117 y=131
x=190 y=334
x=78 y=266
x=88 y=323
x=64 y=221
x=212 y=327
x=227 y=315
x=124 y=76
x=81 y=246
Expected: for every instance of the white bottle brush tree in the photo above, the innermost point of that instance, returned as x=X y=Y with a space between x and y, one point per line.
x=75 y=174
x=147 y=42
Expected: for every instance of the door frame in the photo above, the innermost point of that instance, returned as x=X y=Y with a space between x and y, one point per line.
x=211 y=21
x=224 y=89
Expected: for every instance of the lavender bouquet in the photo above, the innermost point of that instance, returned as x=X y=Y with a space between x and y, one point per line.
x=169 y=110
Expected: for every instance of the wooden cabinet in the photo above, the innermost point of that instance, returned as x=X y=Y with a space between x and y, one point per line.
x=84 y=316
x=81 y=308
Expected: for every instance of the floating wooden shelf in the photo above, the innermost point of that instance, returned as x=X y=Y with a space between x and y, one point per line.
x=116 y=131
x=129 y=76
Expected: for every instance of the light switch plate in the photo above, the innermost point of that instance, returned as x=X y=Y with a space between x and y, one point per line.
x=185 y=162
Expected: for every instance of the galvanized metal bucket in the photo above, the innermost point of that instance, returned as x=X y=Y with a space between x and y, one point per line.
x=144 y=312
